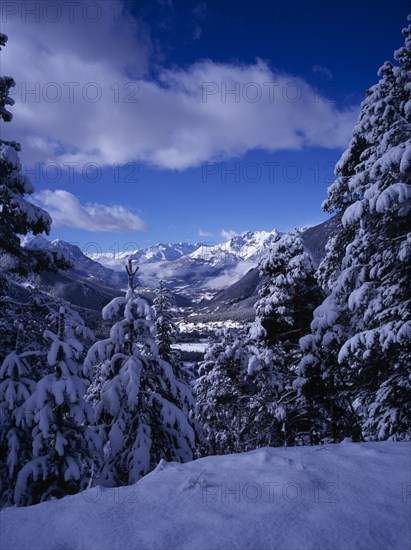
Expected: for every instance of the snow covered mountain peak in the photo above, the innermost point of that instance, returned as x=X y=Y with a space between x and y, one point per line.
x=161 y=252
x=251 y=244
x=247 y=246
x=164 y=252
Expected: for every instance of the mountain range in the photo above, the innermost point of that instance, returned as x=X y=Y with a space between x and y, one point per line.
x=218 y=281
x=194 y=266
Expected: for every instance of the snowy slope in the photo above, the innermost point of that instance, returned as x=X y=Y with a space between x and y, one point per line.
x=339 y=497
x=83 y=266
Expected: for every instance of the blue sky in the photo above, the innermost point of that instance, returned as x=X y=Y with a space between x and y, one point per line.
x=173 y=121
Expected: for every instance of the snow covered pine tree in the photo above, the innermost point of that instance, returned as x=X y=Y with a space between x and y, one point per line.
x=17 y=215
x=221 y=391
x=289 y=293
x=64 y=447
x=360 y=342
x=164 y=320
x=16 y=386
x=166 y=333
x=245 y=394
x=288 y=297
x=141 y=405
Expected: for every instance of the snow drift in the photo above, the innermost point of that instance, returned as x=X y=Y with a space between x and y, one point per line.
x=347 y=496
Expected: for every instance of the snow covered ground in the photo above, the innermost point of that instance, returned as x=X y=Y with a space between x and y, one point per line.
x=191 y=346
x=348 y=496
x=189 y=326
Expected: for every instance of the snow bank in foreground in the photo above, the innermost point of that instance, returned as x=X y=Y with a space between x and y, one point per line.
x=347 y=496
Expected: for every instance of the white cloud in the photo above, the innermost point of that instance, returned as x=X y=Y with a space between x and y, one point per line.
x=228 y=234
x=319 y=69
x=203 y=233
x=180 y=119
x=229 y=276
x=67 y=211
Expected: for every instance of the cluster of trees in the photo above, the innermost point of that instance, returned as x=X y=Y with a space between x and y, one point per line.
x=108 y=416
x=246 y=394
x=328 y=355
x=70 y=418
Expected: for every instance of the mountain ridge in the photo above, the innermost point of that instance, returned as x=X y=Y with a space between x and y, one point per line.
x=221 y=281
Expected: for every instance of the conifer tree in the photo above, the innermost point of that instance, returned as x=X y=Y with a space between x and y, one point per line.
x=16 y=386
x=64 y=447
x=288 y=297
x=289 y=293
x=166 y=334
x=19 y=216
x=140 y=405
x=164 y=320
x=253 y=373
x=360 y=342
x=221 y=393
x=238 y=395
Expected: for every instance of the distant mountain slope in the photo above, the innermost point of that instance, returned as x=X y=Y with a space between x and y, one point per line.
x=79 y=291
x=245 y=288
x=315 y=237
x=83 y=266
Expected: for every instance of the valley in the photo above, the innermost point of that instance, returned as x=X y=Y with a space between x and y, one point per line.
x=213 y=286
